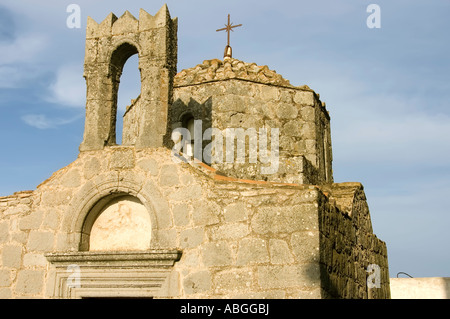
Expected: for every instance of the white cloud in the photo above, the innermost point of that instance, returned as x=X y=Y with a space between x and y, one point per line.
x=18 y=59
x=24 y=49
x=42 y=122
x=69 y=88
x=39 y=121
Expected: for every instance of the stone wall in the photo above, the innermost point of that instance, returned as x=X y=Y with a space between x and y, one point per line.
x=237 y=238
x=349 y=246
x=233 y=94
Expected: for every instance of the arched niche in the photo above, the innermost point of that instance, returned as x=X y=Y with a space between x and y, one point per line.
x=118 y=222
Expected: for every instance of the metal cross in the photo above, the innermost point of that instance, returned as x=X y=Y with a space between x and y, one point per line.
x=229 y=27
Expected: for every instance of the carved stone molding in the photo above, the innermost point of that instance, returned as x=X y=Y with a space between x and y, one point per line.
x=133 y=274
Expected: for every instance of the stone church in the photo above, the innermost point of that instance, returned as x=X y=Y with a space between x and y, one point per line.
x=145 y=217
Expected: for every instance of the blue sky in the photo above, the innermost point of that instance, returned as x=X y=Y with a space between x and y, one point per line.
x=387 y=90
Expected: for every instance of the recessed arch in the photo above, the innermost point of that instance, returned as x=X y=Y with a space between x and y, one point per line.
x=87 y=204
x=121 y=222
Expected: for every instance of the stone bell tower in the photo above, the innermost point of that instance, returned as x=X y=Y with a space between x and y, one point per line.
x=108 y=46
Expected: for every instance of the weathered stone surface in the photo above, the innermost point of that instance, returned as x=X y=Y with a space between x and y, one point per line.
x=32 y=221
x=235 y=212
x=285 y=220
x=304 y=97
x=197 y=282
x=190 y=238
x=216 y=254
x=232 y=68
x=122 y=158
x=91 y=167
x=4 y=231
x=40 y=241
x=252 y=251
x=12 y=256
x=305 y=275
x=181 y=215
x=71 y=178
x=5 y=278
x=186 y=193
x=32 y=259
x=205 y=213
x=5 y=293
x=305 y=246
x=30 y=282
x=169 y=175
x=229 y=231
x=149 y=165
x=240 y=279
x=280 y=252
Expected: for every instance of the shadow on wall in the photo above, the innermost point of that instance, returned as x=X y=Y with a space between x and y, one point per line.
x=182 y=115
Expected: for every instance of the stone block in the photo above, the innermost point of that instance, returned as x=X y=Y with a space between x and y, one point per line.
x=191 y=238
x=164 y=238
x=191 y=192
x=234 y=279
x=32 y=221
x=205 y=213
x=229 y=231
x=285 y=276
x=5 y=278
x=197 y=282
x=51 y=220
x=308 y=113
x=29 y=282
x=292 y=128
x=5 y=293
x=32 y=260
x=12 y=256
x=308 y=131
x=56 y=198
x=122 y=158
x=4 y=231
x=269 y=93
x=40 y=241
x=305 y=246
x=216 y=254
x=279 y=252
x=15 y=210
x=149 y=165
x=71 y=178
x=169 y=175
x=288 y=219
x=287 y=111
x=181 y=215
x=304 y=98
x=235 y=212
x=252 y=251
x=91 y=168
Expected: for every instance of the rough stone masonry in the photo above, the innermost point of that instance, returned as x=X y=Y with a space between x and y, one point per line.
x=125 y=220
